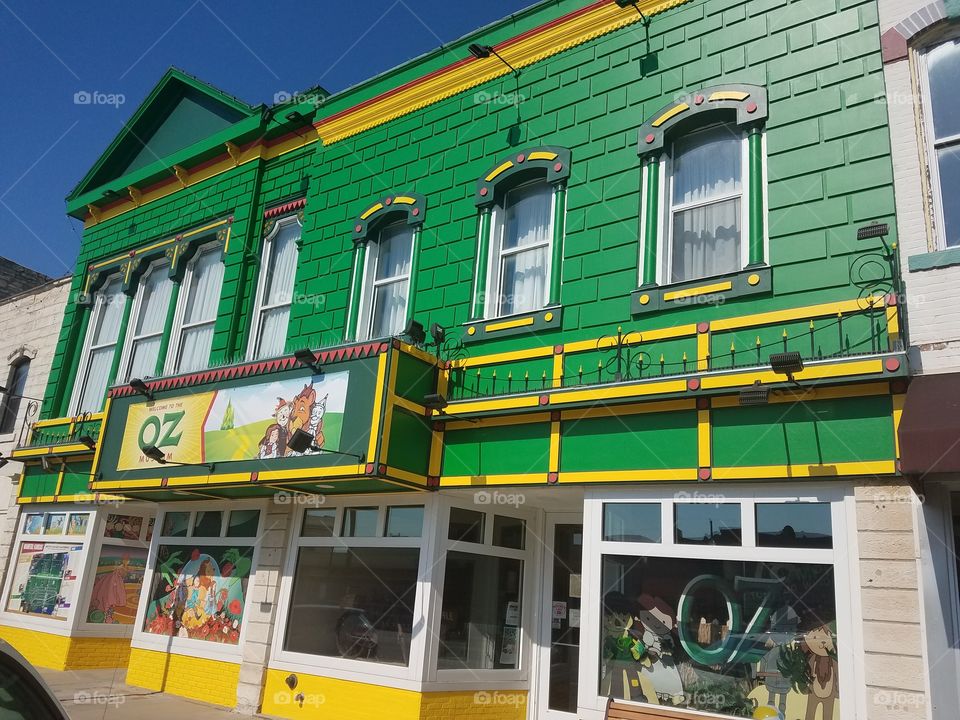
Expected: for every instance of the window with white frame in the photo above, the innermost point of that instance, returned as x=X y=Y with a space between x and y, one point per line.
x=147 y=322
x=383 y=310
x=100 y=345
x=201 y=570
x=485 y=557
x=15 y=387
x=354 y=584
x=192 y=335
x=705 y=221
x=521 y=249
x=117 y=579
x=941 y=67
x=278 y=271
x=747 y=618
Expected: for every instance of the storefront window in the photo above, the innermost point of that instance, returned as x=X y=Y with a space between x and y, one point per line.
x=799 y=525
x=631 y=522
x=708 y=524
x=116 y=585
x=199 y=588
x=354 y=594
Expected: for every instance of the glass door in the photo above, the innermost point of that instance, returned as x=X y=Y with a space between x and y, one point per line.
x=560 y=627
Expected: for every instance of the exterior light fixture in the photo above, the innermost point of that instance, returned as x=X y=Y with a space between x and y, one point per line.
x=484 y=51
x=755 y=395
x=438 y=334
x=435 y=401
x=306 y=357
x=874 y=230
x=294 y=116
x=643 y=18
x=414 y=330
x=786 y=363
x=139 y=386
x=88 y=441
x=301 y=441
x=158 y=456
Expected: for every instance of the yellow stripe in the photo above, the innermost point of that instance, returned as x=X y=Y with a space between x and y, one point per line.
x=801 y=313
x=618 y=392
x=628 y=475
x=632 y=409
x=504 y=357
x=811 y=395
x=404 y=200
x=406 y=475
x=416 y=352
x=811 y=372
x=509 y=324
x=124 y=484
x=96 y=455
x=52 y=450
x=704 y=451
x=515 y=403
x=371 y=210
x=877 y=467
x=436 y=453
x=499 y=170
x=209 y=480
x=541 y=155
x=498 y=421
x=408 y=405
x=482 y=480
x=306 y=474
x=553 y=464
x=557 y=370
x=672 y=112
x=632 y=338
x=36 y=499
x=898 y=401
x=377 y=407
x=703 y=351
x=893 y=321
x=694 y=292
x=728 y=95
x=388 y=414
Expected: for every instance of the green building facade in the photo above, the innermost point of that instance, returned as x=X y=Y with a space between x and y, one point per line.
x=489 y=392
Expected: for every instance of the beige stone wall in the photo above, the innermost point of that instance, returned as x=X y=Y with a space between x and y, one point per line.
x=888 y=552
x=29 y=325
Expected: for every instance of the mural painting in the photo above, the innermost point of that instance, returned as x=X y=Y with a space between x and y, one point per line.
x=116 y=588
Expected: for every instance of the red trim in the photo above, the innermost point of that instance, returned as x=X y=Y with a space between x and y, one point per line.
x=285 y=208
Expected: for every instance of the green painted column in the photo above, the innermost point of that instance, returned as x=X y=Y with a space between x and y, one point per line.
x=356 y=286
x=556 y=266
x=414 y=272
x=121 y=340
x=167 y=328
x=755 y=153
x=483 y=254
x=652 y=223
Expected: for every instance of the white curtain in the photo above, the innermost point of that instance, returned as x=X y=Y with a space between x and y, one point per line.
x=278 y=291
x=156 y=287
x=707 y=182
x=391 y=280
x=95 y=385
x=527 y=224
x=95 y=372
x=273 y=331
x=200 y=311
x=389 y=309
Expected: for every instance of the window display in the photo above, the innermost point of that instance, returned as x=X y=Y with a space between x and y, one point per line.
x=45 y=579
x=117 y=584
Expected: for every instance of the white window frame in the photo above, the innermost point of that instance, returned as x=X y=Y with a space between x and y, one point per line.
x=188 y=646
x=497 y=254
x=529 y=599
x=123 y=372
x=9 y=397
x=931 y=144
x=171 y=364
x=407 y=677
x=371 y=284
x=260 y=307
x=668 y=209
x=99 y=301
x=842 y=556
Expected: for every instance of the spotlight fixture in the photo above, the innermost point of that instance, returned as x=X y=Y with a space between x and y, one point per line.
x=301 y=441
x=414 y=330
x=643 y=18
x=755 y=395
x=438 y=334
x=139 y=386
x=306 y=357
x=786 y=363
x=435 y=401
x=88 y=441
x=158 y=456
x=874 y=230
x=484 y=51
x=294 y=116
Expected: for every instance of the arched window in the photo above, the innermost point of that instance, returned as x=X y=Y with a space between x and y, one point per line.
x=703 y=195
x=16 y=384
x=383 y=288
x=520 y=244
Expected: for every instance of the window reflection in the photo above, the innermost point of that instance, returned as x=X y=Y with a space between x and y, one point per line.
x=798 y=525
x=706 y=524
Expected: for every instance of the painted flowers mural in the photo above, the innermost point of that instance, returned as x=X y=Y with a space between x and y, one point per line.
x=198 y=592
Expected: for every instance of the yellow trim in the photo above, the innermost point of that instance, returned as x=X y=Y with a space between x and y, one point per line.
x=201 y=481
x=148 y=483
x=811 y=395
x=811 y=372
x=672 y=112
x=377 y=407
x=435 y=462
x=404 y=200
x=703 y=351
x=63 y=469
x=96 y=455
x=509 y=324
x=568 y=32
x=406 y=475
x=542 y=155
x=531 y=354
x=69 y=420
x=407 y=405
x=694 y=292
x=898 y=400
x=418 y=353
x=557 y=370
x=499 y=170
x=632 y=409
x=643 y=336
x=893 y=321
x=628 y=475
x=608 y=393
x=875 y=467
x=371 y=210
x=790 y=314
x=211 y=681
x=514 y=403
x=704 y=438
x=728 y=95
x=481 y=480
x=307 y=474
x=553 y=464
x=388 y=412
x=36 y=499
x=498 y=421
x=50 y=450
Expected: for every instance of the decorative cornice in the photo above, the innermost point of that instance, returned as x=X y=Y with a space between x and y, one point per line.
x=410 y=206
x=288 y=207
x=556 y=36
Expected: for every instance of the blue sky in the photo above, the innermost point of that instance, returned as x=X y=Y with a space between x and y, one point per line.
x=52 y=50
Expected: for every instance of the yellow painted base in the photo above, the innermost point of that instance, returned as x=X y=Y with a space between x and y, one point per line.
x=211 y=681
x=59 y=652
x=328 y=697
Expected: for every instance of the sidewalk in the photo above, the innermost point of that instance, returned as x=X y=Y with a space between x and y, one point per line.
x=103 y=695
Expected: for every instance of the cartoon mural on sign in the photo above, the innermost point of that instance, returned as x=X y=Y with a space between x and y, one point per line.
x=238 y=423
x=116 y=589
x=199 y=592
x=741 y=639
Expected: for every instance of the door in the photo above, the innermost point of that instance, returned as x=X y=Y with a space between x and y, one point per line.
x=559 y=645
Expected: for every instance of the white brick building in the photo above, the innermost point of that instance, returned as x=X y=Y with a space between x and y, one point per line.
x=29 y=326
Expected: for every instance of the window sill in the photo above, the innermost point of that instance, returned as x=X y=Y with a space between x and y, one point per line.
x=548 y=318
x=714 y=290
x=934 y=260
